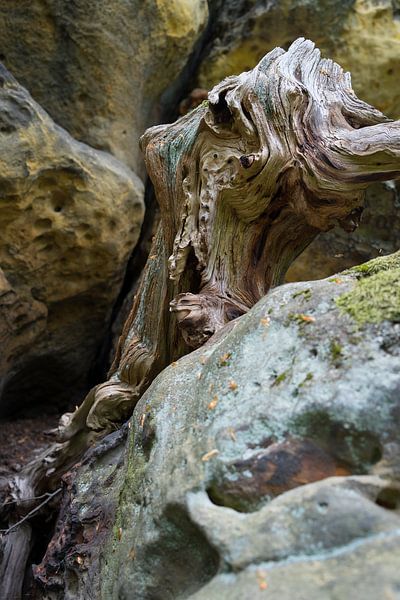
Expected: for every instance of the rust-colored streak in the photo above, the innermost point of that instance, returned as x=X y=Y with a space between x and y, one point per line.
x=274 y=470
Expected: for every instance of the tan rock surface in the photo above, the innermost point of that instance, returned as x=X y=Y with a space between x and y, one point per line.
x=69 y=218
x=99 y=67
x=363 y=36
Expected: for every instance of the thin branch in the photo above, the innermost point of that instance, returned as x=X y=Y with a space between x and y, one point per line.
x=32 y=512
x=17 y=501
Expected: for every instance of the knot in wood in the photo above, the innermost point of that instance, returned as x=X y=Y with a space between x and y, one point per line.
x=247 y=160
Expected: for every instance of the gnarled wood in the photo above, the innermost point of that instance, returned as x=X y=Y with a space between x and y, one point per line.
x=244 y=183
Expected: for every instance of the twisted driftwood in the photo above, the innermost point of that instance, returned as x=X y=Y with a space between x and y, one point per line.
x=244 y=182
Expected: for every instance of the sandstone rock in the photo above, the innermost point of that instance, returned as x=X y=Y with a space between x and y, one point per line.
x=70 y=217
x=264 y=462
x=99 y=67
x=361 y=35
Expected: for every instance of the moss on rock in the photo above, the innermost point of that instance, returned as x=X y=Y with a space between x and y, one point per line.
x=376 y=297
x=377 y=265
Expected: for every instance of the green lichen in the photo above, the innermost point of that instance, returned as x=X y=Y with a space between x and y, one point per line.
x=308 y=377
x=280 y=378
x=376 y=296
x=121 y=541
x=305 y=293
x=336 y=351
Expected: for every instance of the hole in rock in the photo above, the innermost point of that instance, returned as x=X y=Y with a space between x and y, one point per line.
x=42 y=225
x=389 y=498
x=175 y=564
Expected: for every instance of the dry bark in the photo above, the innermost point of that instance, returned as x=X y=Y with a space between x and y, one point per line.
x=244 y=182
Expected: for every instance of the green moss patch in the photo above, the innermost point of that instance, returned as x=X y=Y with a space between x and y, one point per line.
x=280 y=378
x=336 y=351
x=376 y=296
x=377 y=265
x=306 y=294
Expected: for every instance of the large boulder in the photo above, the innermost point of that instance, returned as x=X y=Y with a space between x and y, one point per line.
x=264 y=464
x=70 y=217
x=99 y=67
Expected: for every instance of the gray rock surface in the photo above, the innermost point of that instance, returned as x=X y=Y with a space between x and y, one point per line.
x=264 y=464
x=367 y=571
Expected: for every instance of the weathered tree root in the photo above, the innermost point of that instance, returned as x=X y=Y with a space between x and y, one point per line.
x=244 y=182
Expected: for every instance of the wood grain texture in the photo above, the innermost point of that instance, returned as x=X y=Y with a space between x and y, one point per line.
x=244 y=183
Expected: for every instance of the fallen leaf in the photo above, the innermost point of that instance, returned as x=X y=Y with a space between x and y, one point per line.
x=263 y=585
x=209 y=455
x=142 y=419
x=233 y=385
x=232 y=434
x=223 y=361
x=266 y=321
x=119 y=533
x=261 y=579
x=132 y=554
x=213 y=403
x=307 y=318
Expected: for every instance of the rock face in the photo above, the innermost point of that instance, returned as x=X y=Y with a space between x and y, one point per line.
x=348 y=31
x=99 y=67
x=266 y=462
x=70 y=216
